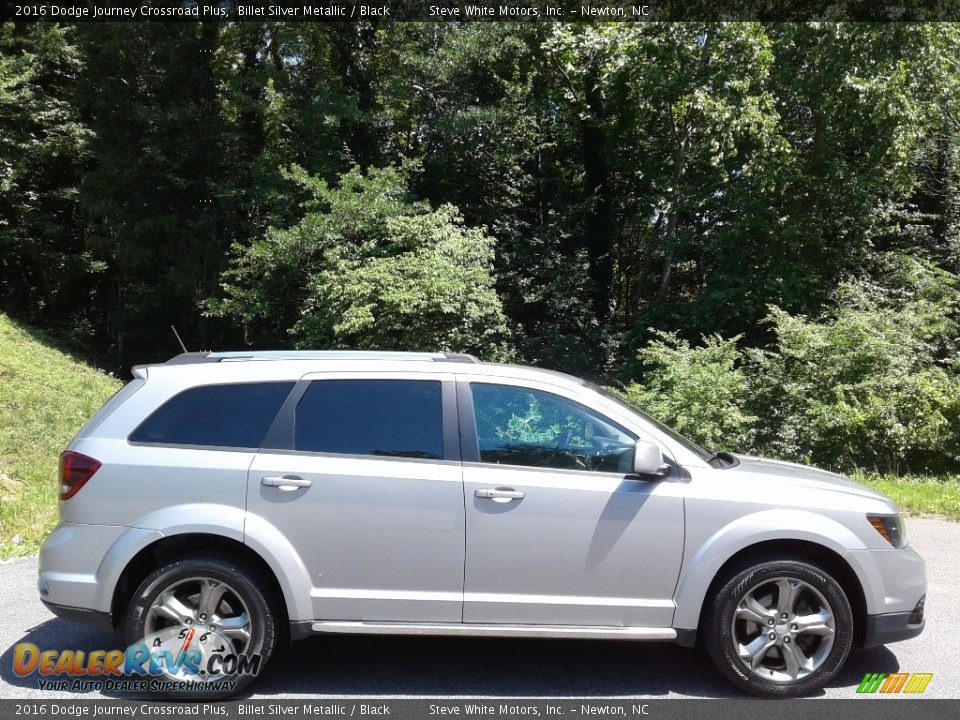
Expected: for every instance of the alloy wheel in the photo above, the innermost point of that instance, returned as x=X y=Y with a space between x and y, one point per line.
x=783 y=629
x=211 y=607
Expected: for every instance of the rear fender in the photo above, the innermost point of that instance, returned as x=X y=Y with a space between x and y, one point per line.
x=220 y=521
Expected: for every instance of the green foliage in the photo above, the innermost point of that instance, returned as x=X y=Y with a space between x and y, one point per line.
x=938 y=494
x=591 y=198
x=584 y=190
x=874 y=383
x=45 y=268
x=367 y=268
x=154 y=201
x=701 y=392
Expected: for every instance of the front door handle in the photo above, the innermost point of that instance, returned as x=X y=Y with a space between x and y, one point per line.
x=286 y=482
x=500 y=494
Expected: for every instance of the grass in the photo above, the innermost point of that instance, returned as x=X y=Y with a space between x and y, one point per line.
x=45 y=396
x=918 y=494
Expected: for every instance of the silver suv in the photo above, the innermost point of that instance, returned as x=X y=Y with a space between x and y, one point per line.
x=227 y=502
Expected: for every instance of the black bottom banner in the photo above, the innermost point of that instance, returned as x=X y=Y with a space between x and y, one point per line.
x=877 y=708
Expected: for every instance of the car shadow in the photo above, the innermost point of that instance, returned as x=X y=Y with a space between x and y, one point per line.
x=861 y=662
x=369 y=665
x=476 y=667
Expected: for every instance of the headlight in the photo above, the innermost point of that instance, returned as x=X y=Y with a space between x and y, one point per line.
x=891 y=528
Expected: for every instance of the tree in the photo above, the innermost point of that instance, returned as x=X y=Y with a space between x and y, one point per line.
x=675 y=176
x=47 y=276
x=368 y=268
x=152 y=196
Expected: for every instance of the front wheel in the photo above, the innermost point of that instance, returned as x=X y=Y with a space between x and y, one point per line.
x=781 y=628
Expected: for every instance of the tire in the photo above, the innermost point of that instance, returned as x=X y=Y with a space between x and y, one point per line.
x=783 y=658
x=245 y=618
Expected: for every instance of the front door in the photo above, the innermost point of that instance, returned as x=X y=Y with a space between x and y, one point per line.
x=558 y=530
x=369 y=492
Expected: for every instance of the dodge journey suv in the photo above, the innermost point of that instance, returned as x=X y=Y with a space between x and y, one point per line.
x=222 y=504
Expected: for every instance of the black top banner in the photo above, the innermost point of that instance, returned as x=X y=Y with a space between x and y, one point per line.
x=480 y=11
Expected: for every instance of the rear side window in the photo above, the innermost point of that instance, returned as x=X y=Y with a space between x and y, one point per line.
x=216 y=415
x=392 y=418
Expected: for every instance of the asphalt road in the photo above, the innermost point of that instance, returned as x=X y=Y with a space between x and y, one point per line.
x=345 y=666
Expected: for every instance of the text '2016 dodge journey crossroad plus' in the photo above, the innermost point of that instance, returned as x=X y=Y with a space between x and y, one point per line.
x=221 y=503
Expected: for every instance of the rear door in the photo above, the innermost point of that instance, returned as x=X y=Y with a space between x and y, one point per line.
x=363 y=477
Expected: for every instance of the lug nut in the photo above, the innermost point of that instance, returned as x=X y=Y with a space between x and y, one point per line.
x=793 y=627
x=786 y=640
x=770 y=621
x=203 y=616
x=783 y=616
x=772 y=636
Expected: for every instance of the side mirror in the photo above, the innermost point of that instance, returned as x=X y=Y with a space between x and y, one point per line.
x=648 y=460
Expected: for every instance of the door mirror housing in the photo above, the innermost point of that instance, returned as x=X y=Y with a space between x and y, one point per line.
x=648 y=460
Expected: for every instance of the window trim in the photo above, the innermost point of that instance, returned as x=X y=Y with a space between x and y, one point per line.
x=282 y=434
x=469 y=441
x=187 y=446
x=215 y=448
x=355 y=456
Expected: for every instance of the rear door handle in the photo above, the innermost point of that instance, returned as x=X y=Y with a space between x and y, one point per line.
x=500 y=494
x=285 y=482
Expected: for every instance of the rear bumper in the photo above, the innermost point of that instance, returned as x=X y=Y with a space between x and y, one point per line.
x=94 y=618
x=80 y=564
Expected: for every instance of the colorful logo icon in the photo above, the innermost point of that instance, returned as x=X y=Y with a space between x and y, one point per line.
x=894 y=682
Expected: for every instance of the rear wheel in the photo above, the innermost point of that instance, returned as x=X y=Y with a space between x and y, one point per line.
x=214 y=607
x=781 y=628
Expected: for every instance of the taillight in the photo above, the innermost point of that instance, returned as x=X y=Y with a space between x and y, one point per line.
x=75 y=470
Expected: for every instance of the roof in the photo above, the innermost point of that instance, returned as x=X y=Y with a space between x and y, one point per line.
x=265 y=365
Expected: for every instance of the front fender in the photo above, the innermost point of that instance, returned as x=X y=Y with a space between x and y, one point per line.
x=218 y=520
x=700 y=568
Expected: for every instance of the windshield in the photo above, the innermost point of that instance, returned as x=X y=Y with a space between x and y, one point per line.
x=689 y=444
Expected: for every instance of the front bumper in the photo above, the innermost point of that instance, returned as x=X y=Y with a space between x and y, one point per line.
x=893 y=627
x=894 y=583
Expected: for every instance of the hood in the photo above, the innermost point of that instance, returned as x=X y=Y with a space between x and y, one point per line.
x=807 y=476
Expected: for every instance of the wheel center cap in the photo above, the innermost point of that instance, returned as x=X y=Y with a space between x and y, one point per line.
x=783 y=629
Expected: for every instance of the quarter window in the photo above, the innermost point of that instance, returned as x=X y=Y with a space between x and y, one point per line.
x=520 y=426
x=237 y=415
x=390 y=418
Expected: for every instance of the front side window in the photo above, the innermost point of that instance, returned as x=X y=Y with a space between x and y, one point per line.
x=389 y=418
x=236 y=416
x=520 y=426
